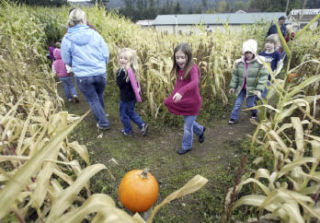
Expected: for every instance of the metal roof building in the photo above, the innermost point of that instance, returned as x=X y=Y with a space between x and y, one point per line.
x=187 y=22
x=81 y=2
x=218 y=19
x=303 y=16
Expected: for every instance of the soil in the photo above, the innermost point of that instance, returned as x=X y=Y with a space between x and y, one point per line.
x=217 y=159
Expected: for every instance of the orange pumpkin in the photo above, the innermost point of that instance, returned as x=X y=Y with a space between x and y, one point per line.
x=138 y=190
x=291 y=77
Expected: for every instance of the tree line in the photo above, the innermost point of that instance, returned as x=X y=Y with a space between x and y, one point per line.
x=149 y=9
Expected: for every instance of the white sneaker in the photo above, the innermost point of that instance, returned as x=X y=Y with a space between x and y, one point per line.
x=144 y=129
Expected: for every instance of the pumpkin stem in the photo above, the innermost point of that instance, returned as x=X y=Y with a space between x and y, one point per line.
x=144 y=174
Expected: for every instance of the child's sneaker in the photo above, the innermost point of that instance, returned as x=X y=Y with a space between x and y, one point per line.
x=124 y=133
x=201 y=137
x=232 y=121
x=253 y=117
x=183 y=151
x=144 y=129
x=103 y=128
x=76 y=99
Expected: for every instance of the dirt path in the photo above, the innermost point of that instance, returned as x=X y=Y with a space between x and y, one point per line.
x=216 y=159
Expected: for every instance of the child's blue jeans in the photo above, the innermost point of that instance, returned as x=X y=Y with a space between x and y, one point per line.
x=127 y=113
x=251 y=102
x=190 y=126
x=68 y=87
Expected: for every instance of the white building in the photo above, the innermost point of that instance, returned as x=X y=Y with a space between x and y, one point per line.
x=80 y=2
x=303 y=16
x=145 y=23
x=187 y=23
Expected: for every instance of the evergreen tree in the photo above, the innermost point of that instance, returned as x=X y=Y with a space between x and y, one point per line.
x=177 y=8
x=43 y=2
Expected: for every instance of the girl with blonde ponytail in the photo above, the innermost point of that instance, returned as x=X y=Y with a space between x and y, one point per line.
x=128 y=80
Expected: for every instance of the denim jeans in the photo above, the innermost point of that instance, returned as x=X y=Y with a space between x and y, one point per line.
x=190 y=126
x=92 y=88
x=251 y=102
x=128 y=113
x=68 y=87
x=265 y=91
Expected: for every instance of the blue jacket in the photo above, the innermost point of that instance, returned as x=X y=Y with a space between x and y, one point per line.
x=85 y=51
x=272 y=58
x=273 y=30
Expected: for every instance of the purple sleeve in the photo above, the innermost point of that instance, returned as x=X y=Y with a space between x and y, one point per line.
x=135 y=85
x=51 y=49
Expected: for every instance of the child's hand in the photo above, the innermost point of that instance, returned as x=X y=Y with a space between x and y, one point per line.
x=231 y=91
x=176 y=97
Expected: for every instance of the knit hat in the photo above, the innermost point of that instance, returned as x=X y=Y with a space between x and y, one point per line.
x=250 y=46
x=57 y=53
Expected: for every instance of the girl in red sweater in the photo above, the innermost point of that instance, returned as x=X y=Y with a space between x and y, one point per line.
x=185 y=99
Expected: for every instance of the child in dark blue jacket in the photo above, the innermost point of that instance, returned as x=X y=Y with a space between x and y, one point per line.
x=272 y=57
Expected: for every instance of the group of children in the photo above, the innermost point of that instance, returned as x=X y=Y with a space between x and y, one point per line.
x=249 y=80
x=185 y=99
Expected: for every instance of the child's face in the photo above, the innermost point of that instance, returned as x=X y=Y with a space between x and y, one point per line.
x=181 y=59
x=248 y=55
x=123 y=60
x=269 y=46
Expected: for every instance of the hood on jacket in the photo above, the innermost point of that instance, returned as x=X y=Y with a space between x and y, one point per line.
x=250 y=46
x=57 y=54
x=80 y=34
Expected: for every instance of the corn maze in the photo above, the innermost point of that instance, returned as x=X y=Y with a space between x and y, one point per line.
x=42 y=172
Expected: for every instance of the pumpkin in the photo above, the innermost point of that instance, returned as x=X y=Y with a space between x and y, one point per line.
x=291 y=77
x=138 y=190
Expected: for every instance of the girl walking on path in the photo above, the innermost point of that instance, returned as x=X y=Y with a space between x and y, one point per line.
x=59 y=68
x=248 y=81
x=128 y=83
x=185 y=99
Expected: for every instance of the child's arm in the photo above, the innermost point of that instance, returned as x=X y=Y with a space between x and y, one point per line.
x=277 y=59
x=68 y=68
x=53 y=69
x=262 y=79
x=194 y=81
x=235 y=78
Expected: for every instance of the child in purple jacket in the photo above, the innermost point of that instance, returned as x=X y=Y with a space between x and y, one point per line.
x=60 y=69
x=185 y=99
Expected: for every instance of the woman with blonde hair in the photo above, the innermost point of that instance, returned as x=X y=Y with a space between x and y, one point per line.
x=87 y=53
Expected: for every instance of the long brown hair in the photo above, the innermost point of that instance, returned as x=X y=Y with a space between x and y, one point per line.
x=186 y=49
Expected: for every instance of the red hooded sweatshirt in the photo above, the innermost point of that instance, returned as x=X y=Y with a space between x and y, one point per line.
x=59 y=65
